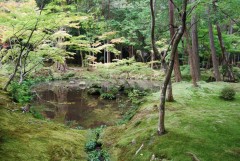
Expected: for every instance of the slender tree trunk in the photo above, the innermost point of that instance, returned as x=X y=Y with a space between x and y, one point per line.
x=226 y=64
x=180 y=31
x=103 y=8
x=108 y=55
x=156 y=52
x=195 y=54
x=229 y=71
x=213 y=50
x=81 y=55
x=169 y=87
x=190 y=59
x=177 y=72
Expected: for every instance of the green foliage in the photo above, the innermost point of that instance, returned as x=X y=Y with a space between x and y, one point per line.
x=94 y=148
x=129 y=115
x=228 y=93
x=68 y=75
x=36 y=114
x=109 y=96
x=136 y=96
x=236 y=72
x=98 y=155
x=20 y=92
x=90 y=145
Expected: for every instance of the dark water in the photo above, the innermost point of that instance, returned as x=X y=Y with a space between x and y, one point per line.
x=68 y=102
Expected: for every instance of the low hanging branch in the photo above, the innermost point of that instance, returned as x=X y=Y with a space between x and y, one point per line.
x=177 y=39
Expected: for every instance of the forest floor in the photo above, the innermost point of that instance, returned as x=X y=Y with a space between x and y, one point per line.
x=25 y=138
x=199 y=124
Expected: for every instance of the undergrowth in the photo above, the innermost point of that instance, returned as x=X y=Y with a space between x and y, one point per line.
x=94 y=148
x=21 y=92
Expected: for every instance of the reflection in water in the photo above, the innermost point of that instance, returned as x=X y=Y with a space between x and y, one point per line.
x=64 y=103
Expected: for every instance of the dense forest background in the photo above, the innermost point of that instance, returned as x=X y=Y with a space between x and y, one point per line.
x=83 y=32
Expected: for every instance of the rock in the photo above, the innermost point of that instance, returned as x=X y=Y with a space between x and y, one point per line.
x=82 y=83
x=134 y=141
x=25 y=108
x=71 y=82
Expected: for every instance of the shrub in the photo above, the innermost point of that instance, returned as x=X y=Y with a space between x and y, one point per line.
x=227 y=93
x=98 y=155
x=90 y=145
x=110 y=94
x=20 y=92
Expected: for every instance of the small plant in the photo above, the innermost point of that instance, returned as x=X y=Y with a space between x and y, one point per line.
x=21 y=93
x=90 y=145
x=36 y=114
x=94 y=148
x=227 y=93
x=136 y=96
x=108 y=96
x=128 y=115
x=98 y=155
x=68 y=75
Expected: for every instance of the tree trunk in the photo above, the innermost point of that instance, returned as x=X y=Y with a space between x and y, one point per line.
x=228 y=70
x=180 y=31
x=169 y=87
x=177 y=72
x=213 y=50
x=156 y=52
x=195 y=54
x=108 y=55
x=190 y=59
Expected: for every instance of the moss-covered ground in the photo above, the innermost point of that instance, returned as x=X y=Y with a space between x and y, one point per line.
x=24 y=138
x=198 y=123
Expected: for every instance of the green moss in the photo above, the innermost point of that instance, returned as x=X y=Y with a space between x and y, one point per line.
x=199 y=122
x=23 y=137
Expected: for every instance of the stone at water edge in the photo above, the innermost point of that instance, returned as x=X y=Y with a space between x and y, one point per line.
x=71 y=82
x=82 y=83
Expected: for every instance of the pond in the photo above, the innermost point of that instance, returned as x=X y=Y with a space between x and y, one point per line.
x=68 y=102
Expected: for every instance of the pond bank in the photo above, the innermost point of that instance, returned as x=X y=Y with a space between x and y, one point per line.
x=198 y=123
